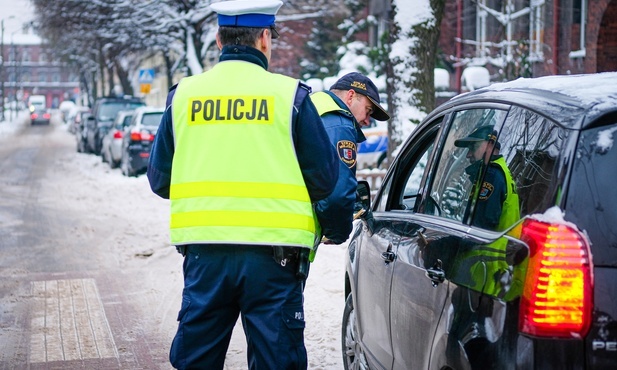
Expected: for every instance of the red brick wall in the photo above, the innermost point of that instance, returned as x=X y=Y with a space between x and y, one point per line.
x=606 y=53
x=289 y=48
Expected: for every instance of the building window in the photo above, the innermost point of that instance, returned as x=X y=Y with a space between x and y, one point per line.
x=536 y=30
x=26 y=77
x=42 y=77
x=56 y=77
x=579 y=18
x=501 y=27
x=43 y=58
x=25 y=57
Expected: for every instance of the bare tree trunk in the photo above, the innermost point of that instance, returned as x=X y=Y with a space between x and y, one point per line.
x=123 y=76
x=102 y=72
x=168 y=67
x=412 y=73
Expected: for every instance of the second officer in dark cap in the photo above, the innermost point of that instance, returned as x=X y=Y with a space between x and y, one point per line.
x=345 y=109
x=497 y=205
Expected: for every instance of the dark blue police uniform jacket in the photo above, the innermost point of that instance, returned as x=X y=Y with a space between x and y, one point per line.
x=336 y=211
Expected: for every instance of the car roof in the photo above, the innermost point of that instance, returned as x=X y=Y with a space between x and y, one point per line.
x=575 y=101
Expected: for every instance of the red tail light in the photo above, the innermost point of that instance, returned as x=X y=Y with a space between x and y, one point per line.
x=47 y=115
x=118 y=134
x=142 y=136
x=34 y=116
x=557 y=298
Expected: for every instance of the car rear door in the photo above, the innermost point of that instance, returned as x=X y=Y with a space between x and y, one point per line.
x=590 y=205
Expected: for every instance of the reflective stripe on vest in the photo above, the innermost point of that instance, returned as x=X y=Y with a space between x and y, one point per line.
x=510 y=211
x=324 y=103
x=235 y=176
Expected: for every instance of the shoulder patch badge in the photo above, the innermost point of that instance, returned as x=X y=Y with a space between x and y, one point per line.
x=486 y=191
x=347 y=152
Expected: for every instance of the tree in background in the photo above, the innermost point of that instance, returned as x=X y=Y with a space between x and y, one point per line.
x=321 y=58
x=414 y=33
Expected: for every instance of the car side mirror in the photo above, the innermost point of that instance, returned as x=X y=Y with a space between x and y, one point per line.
x=363 y=199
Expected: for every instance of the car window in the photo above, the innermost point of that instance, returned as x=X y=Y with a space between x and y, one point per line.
x=531 y=145
x=591 y=196
x=127 y=120
x=151 y=119
x=456 y=179
x=109 y=110
x=407 y=176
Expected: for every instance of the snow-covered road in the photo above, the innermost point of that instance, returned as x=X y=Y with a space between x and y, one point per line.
x=75 y=233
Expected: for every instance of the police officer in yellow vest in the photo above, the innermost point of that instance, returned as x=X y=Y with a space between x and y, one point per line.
x=345 y=109
x=496 y=208
x=242 y=154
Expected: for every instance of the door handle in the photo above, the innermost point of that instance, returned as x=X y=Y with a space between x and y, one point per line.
x=388 y=257
x=436 y=274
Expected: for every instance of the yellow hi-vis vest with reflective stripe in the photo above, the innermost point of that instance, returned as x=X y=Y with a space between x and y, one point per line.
x=324 y=103
x=235 y=176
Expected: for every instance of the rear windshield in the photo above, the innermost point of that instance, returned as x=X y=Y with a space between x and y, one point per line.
x=108 y=111
x=592 y=196
x=152 y=119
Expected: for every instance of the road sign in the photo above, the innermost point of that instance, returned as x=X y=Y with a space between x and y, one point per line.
x=146 y=76
x=145 y=88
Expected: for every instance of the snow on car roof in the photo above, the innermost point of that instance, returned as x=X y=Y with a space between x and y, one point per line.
x=574 y=101
x=589 y=89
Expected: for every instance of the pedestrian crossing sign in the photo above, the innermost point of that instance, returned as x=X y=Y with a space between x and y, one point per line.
x=146 y=76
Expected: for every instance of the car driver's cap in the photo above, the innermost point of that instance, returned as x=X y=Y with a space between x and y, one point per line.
x=482 y=133
x=363 y=85
x=246 y=13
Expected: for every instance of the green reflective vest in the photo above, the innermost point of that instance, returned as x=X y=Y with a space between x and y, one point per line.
x=235 y=177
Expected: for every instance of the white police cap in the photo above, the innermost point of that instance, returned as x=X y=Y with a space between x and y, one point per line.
x=246 y=13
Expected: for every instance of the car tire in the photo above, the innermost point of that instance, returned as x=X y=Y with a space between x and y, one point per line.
x=81 y=146
x=353 y=354
x=125 y=166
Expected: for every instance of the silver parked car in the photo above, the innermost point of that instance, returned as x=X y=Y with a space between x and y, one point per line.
x=111 y=149
x=138 y=138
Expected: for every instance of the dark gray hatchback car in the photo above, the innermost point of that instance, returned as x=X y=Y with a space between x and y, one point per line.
x=432 y=284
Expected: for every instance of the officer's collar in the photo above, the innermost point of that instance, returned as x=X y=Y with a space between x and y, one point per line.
x=359 y=133
x=245 y=53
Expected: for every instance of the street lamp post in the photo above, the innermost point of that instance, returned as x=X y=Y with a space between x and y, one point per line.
x=2 y=69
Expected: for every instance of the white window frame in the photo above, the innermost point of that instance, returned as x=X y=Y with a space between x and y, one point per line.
x=535 y=11
x=581 y=52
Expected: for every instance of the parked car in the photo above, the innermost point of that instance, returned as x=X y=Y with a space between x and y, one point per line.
x=65 y=109
x=426 y=287
x=373 y=152
x=74 y=118
x=111 y=150
x=103 y=114
x=80 y=130
x=40 y=115
x=137 y=140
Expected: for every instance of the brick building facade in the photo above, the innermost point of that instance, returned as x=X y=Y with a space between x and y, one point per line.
x=28 y=69
x=545 y=35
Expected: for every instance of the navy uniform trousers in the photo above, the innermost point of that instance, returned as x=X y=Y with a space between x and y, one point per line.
x=222 y=282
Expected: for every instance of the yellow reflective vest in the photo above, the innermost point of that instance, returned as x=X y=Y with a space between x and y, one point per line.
x=235 y=177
